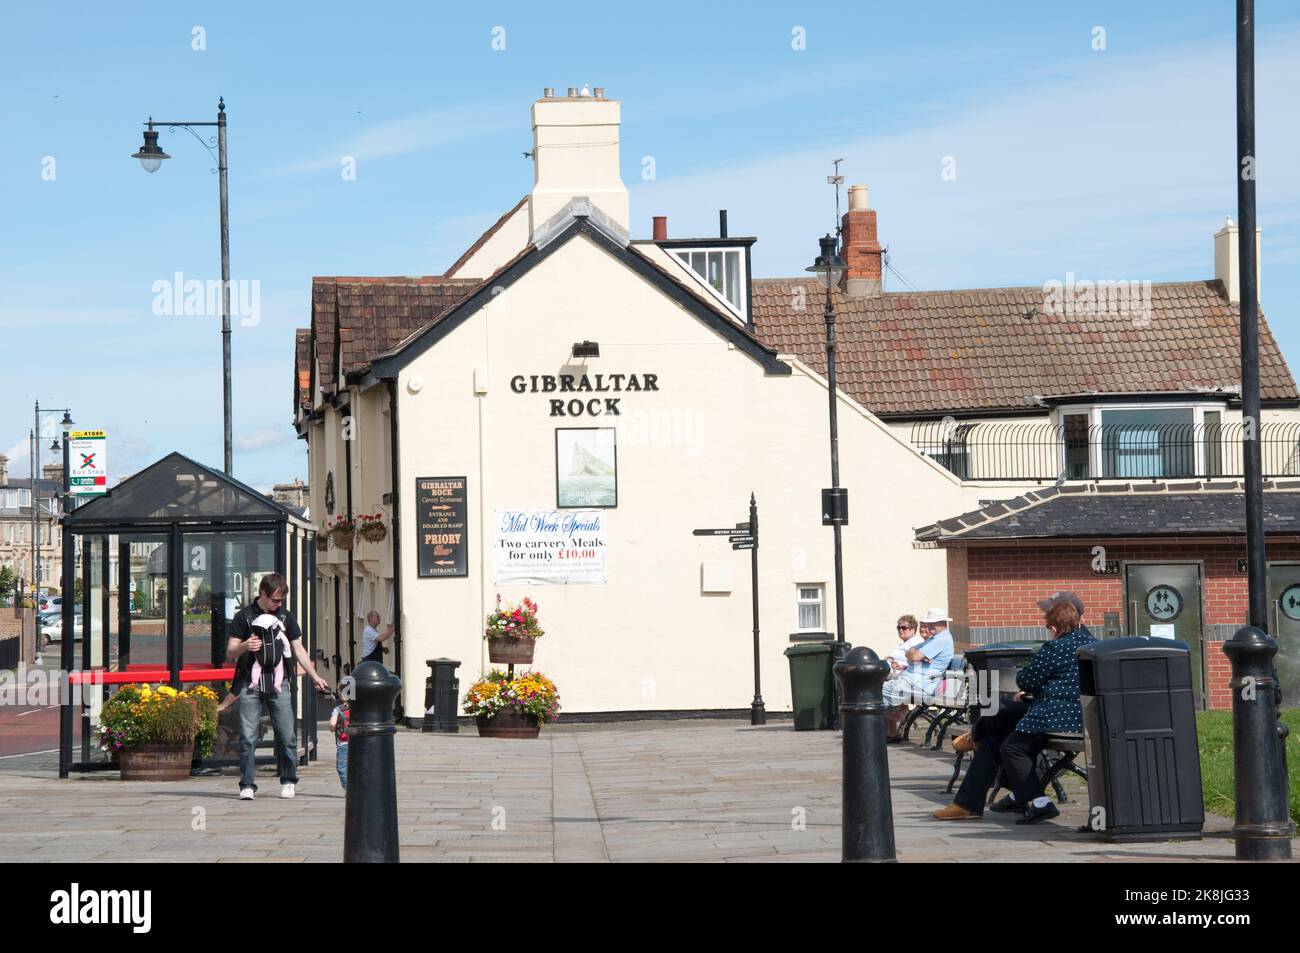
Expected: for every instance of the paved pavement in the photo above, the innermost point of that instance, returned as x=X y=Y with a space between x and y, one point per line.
x=649 y=791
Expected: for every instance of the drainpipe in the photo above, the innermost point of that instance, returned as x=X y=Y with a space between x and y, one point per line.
x=396 y=534
x=352 y=635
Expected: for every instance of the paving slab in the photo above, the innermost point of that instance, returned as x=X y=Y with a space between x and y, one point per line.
x=686 y=791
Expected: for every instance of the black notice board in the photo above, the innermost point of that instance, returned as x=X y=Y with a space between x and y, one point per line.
x=442 y=541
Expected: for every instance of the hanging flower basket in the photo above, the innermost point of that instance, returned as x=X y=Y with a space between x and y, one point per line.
x=372 y=528
x=341 y=532
x=322 y=542
x=509 y=724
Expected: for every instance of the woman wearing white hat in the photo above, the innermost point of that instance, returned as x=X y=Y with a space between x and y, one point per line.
x=927 y=664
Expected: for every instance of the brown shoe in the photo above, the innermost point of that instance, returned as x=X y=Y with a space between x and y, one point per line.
x=955 y=812
x=965 y=743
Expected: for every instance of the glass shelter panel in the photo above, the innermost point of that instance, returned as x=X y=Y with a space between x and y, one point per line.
x=222 y=573
x=146 y=622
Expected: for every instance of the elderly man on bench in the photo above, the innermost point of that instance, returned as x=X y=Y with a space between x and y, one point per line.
x=1014 y=737
x=926 y=664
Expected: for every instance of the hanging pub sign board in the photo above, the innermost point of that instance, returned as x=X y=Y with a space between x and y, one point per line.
x=88 y=456
x=442 y=534
x=550 y=547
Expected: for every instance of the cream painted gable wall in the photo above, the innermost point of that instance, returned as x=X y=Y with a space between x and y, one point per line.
x=510 y=239
x=689 y=455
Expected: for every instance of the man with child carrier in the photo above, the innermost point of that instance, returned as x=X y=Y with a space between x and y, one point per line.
x=264 y=642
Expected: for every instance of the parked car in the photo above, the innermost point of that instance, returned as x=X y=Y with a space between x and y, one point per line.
x=52 y=630
x=48 y=603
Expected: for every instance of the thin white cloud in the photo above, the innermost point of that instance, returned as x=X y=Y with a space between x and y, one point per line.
x=264 y=438
x=415 y=133
x=1112 y=167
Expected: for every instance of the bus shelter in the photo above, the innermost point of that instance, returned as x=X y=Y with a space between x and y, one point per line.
x=157 y=567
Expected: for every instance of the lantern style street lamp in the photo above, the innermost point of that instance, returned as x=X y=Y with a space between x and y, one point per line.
x=151 y=157
x=829 y=269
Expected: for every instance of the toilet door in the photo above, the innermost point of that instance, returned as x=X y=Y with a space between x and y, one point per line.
x=1163 y=600
x=1284 y=625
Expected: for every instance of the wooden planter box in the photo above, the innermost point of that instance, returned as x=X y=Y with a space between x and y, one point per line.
x=509 y=724
x=156 y=762
x=511 y=651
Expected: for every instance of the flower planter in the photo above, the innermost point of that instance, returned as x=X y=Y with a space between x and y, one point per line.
x=342 y=538
x=157 y=761
x=509 y=724
x=374 y=532
x=510 y=650
x=322 y=542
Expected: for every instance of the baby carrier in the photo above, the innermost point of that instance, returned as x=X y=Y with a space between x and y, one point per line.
x=267 y=672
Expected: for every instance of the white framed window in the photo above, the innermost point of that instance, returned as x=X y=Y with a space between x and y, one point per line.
x=810 y=600
x=1141 y=441
x=722 y=269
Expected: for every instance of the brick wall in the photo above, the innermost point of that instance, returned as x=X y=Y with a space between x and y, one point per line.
x=998 y=587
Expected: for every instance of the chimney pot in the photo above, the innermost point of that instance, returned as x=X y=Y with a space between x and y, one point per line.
x=600 y=92
x=661 y=228
x=722 y=223
x=573 y=92
x=548 y=92
x=861 y=250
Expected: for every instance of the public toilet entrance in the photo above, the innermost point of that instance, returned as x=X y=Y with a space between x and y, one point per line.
x=191 y=546
x=1163 y=600
x=1284 y=610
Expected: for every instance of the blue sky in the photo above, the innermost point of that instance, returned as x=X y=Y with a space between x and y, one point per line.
x=1114 y=163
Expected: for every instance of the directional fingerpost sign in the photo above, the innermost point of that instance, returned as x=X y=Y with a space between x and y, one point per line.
x=88 y=456
x=744 y=535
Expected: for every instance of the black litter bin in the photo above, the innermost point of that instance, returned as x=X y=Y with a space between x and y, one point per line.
x=994 y=668
x=812 y=684
x=1139 y=720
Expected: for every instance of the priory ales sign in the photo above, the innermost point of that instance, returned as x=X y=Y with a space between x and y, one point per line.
x=442 y=543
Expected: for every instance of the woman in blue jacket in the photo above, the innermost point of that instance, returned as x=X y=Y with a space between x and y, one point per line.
x=1050 y=684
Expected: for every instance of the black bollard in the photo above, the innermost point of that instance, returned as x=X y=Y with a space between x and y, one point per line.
x=867 y=811
x=370 y=819
x=1263 y=827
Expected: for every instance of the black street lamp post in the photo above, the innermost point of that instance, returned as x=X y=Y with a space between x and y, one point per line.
x=829 y=268
x=1263 y=825
x=66 y=424
x=151 y=157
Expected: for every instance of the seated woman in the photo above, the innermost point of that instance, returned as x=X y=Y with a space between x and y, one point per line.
x=908 y=638
x=1050 y=684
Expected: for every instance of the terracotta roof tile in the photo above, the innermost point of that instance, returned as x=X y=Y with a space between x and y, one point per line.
x=916 y=353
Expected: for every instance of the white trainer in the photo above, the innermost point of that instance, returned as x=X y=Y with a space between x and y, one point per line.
x=245 y=794
x=286 y=790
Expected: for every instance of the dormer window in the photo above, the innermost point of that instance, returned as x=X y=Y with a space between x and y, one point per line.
x=722 y=269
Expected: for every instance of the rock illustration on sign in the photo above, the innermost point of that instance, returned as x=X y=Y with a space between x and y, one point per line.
x=588 y=471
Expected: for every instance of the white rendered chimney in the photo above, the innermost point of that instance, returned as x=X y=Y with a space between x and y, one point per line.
x=575 y=153
x=1227 y=264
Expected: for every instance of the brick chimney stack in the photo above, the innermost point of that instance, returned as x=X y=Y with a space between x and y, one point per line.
x=4 y=469
x=861 y=251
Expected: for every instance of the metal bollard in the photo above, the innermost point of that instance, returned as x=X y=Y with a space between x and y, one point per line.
x=1263 y=827
x=370 y=818
x=867 y=811
x=441 y=693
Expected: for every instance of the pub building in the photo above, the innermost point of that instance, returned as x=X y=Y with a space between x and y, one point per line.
x=556 y=414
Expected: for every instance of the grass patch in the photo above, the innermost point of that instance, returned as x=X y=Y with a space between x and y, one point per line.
x=1214 y=732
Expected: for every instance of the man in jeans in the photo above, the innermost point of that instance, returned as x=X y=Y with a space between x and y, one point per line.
x=265 y=640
